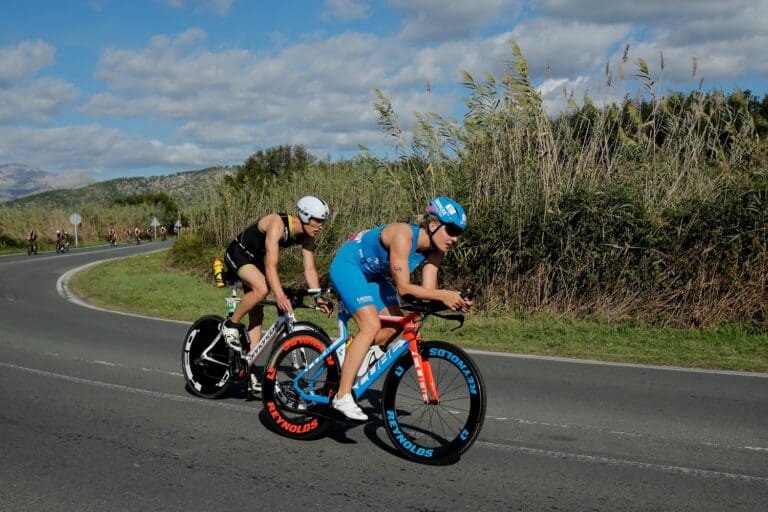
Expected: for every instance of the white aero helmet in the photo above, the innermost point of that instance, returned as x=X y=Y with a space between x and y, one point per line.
x=311 y=207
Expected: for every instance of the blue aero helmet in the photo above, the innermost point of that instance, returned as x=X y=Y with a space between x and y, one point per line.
x=450 y=213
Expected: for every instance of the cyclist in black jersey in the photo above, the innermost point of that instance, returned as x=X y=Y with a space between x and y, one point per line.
x=254 y=254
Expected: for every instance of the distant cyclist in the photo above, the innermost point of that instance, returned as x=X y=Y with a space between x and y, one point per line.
x=137 y=235
x=112 y=236
x=254 y=254
x=363 y=267
x=60 y=241
x=163 y=233
x=32 y=239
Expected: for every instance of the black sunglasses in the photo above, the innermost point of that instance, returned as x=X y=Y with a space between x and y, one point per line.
x=453 y=229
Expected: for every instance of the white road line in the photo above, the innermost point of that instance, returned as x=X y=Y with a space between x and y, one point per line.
x=620 y=433
x=62 y=285
x=680 y=470
x=612 y=363
x=116 y=365
x=695 y=472
x=129 y=389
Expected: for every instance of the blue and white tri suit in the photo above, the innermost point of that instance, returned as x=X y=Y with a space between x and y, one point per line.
x=360 y=270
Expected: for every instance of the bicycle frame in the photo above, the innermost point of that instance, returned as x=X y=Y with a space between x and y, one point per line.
x=272 y=334
x=283 y=319
x=408 y=341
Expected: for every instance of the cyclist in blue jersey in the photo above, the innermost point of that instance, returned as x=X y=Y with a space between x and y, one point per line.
x=361 y=273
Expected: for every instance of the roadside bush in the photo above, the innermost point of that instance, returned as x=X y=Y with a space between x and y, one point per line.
x=190 y=254
x=14 y=243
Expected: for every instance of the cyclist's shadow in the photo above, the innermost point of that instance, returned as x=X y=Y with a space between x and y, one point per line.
x=371 y=428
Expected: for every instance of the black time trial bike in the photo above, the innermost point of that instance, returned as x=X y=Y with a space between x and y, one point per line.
x=211 y=366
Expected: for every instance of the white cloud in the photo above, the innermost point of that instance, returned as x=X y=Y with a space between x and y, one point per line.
x=37 y=101
x=212 y=134
x=570 y=48
x=166 y=81
x=648 y=12
x=438 y=20
x=727 y=37
x=220 y=7
x=556 y=93
x=25 y=60
x=348 y=10
x=737 y=25
x=225 y=103
x=107 y=149
x=717 y=61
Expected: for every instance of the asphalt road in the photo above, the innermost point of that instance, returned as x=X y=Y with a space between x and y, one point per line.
x=94 y=417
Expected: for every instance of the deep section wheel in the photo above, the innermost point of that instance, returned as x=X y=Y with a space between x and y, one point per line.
x=288 y=413
x=440 y=431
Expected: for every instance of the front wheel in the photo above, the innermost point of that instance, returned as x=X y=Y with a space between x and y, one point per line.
x=436 y=433
x=205 y=358
x=288 y=413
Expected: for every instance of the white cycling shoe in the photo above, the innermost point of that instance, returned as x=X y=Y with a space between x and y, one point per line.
x=231 y=336
x=346 y=405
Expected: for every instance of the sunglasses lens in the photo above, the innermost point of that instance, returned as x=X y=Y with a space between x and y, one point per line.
x=453 y=230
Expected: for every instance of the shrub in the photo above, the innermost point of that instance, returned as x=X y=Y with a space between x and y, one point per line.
x=189 y=253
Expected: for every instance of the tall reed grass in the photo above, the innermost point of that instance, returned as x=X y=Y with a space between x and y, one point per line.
x=651 y=210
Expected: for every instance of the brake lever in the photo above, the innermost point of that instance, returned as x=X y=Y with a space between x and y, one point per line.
x=455 y=317
x=327 y=303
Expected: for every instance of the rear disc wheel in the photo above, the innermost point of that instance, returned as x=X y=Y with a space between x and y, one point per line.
x=205 y=358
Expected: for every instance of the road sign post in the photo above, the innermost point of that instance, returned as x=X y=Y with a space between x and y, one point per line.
x=75 y=219
x=154 y=224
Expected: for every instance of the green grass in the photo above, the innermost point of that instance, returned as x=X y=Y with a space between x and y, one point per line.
x=145 y=285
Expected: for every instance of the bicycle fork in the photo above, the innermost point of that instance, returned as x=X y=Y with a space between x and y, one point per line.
x=424 y=375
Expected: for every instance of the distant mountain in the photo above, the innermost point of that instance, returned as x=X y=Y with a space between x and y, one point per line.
x=183 y=187
x=18 y=180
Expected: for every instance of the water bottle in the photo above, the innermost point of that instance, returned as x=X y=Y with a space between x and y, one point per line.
x=231 y=306
x=218 y=272
x=374 y=354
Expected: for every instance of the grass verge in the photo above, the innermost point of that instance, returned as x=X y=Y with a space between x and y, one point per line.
x=146 y=285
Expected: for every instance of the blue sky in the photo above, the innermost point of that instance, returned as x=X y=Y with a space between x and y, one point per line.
x=116 y=88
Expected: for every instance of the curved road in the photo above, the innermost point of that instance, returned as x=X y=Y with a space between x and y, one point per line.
x=94 y=417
